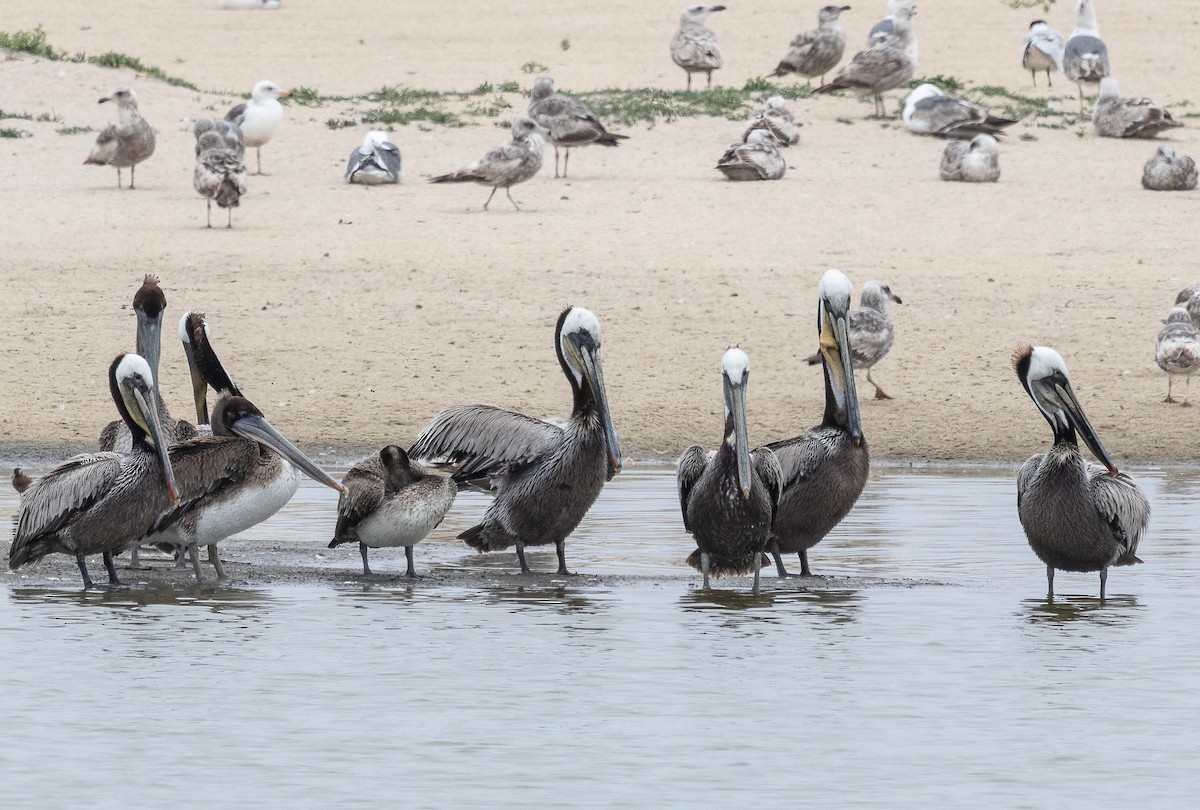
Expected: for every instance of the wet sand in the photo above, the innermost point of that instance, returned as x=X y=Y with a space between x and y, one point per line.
x=352 y=315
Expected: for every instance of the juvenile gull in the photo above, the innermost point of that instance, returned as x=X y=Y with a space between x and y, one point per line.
x=20 y=480
x=776 y=119
x=871 y=330
x=1185 y=295
x=974 y=161
x=390 y=501
x=815 y=52
x=1178 y=351
x=220 y=175
x=1167 y=171
x=883 y=29
x=929 y=111
x=127 y=142
x=1042 y=50
x=569 y=122
x=756 y=159
x=1116 y=117
x=230 y=133
x=694 y=47
x=376 y=162
x=881 y=67
x=506 y=165
x=259 y=117
x=1085 y=56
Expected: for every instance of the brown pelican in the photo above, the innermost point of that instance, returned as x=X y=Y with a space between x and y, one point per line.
x=149 y=304
x=389 y=501
x=96 y=503
x=824 y=469
x=871 y=330
x=729 y=498
x=694 y=46
x=126 y=143
x=815 y=52
x=544 y=477
x=1077 y=516
x=20 y=480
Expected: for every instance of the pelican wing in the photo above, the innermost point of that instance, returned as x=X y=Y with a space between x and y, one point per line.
x=475 y=439
x=802 y=457
x=204 y=466
x=1124 y=506
x=766 y=464
x=53 y=500
x=691 y=467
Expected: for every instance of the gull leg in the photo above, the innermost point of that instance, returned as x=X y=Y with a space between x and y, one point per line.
x=194 y=553
x=209 y=213
x=119 y=179
x=1049 y=81
x=705 y=564
x=229 y=221
x=561 y=549
x=521 y=558
x=87 y=580
x=214 y=557
x=489 y=199
x=689 y=75
x=1187 y=384
x=258 y=159
x=555 y=161
x=879 y=392
x=411 y=573
x=757 y=566
x=131 y=168
x=112 y=569
x=1049 y=581
x=566 y=160
x=709 y=80
x=1103 y=580
x=1033 y=73
x=804 y=569
x=508 y=193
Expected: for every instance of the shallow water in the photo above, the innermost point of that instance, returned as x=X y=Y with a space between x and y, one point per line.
x=946 y=677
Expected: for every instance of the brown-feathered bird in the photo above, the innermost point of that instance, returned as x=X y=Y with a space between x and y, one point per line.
x=220 y=174
x=20 y=481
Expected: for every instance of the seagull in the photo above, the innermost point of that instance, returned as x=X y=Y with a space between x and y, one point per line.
x=1168 y=172
x=882 y=30
x=21 y=481
x=929 y=111
x=1178 y=351
x=569 y=122
x=220 y=175
x=1085 y=56
x=974 y=161
x=1042 y=50
x=506 y=165
x=259 y=117
x=881 y=67
x=230 y=133
x=775 y=118
x=376 y=162
x=756 y=159
x=1116 y=117
x=871 y=330
x=127 y=142
x=818 y=51
x=695 y=47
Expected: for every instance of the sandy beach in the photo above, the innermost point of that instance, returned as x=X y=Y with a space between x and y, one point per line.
x=352 y=315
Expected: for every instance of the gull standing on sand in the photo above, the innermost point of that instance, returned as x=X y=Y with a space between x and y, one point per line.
x=929 y=111
x=390 y=501
x=728 y=497
x=569 y=122
x=1178 y=351
x=1085 y=56
x=1167 y=171
x=871 y=330
x=881 y=67
x=230 y=133
x=220 y=175
x=974 y=161
x=1077 y=516
x=376 y=162
x=1116 y=117
x=126 y=143
x=776 y=119
x=1042 y=50
x=816 y=52
x=694 y=47
x=756 y=159
x=506 y=165
x=259 y=117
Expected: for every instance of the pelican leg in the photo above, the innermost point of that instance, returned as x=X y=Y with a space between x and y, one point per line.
x=804 y=569
x=773 y=547
x=111 y=568
x=879 y=392
x=362 y=549
x=508 y=193
x=1049 y=581
x=135 y=557
x=1103 y=580
x=181 y=559
x=489 y=199
x=757 y=566
x=194 y=553
x=705 y=564
x=521 y=558
x=87 y=579
x=411 y=573
x=214 y=557
x=561 y=549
